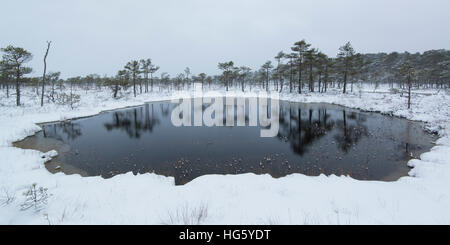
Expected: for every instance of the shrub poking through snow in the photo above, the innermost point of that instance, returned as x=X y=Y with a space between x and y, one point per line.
x=68 y=99
x=36 y=197
x=6 y=197
x=187 y=216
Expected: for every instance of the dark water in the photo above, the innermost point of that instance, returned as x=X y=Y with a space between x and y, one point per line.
x=313 y=139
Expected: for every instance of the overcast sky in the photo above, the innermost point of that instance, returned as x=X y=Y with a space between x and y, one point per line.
x=100 y=36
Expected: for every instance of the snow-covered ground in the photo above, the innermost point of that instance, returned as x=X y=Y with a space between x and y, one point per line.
x=422 y=198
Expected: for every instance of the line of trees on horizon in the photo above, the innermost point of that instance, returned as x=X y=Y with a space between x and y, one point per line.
x=303 y=69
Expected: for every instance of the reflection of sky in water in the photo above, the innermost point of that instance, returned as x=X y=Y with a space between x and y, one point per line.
x=313 y=139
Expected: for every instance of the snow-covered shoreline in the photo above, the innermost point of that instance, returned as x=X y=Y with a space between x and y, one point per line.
x=231 y=199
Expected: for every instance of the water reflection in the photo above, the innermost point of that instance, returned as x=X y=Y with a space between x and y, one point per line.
x=65 y=130
x=351 y=129
x=136 y=121
x=301 y=128
x=312 y=139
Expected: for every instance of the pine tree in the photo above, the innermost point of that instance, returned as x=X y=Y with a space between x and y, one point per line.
x=279 y=77
x=310 y=57
x=53 y=78
x=14 y=58
x=292 y=58
x=5 y=75
x=322 y=69
x=300 y=47
x=408 y=71
x=267 y=67
x=134 y=68
x=153 y=69
x=226 y=67
x=244 y=73
x=346 y=55
x=145 y=64
x=187 y=72
x=202 y=77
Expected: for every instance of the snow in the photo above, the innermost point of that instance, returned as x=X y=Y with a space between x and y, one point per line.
x=421 y=198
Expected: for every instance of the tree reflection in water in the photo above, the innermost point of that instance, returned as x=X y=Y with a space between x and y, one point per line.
x=136 y=121
x=303 y=127
x=351 y=129
x=313 y=139
x=69 y=129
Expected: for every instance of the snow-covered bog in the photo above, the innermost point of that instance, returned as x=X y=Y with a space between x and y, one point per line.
x=421 y=198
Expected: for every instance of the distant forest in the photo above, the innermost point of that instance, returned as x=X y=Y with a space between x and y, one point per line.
x=303 y=69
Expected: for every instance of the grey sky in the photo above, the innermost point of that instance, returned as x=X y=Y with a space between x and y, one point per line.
x=101 y=36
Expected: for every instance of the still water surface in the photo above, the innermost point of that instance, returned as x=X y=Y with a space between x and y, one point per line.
x=313 y=139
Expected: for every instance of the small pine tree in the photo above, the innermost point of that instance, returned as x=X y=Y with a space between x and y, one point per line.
x=346 y=55
x=35 y=197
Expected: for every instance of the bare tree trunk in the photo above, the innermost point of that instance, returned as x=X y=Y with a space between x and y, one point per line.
x=409 y=92
x=281 y=84
x=146 y=81
x=7 y=88
x=151 y=81
x=311 y=83
x=18 y=86
x=291 y=78
x=226 y=82
x=45 y=70
x=300 y=85
x=320 y=80
x=345 y=82
x=71 y=95
x=134 y=84
x=116 y=89
x=52 y=95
